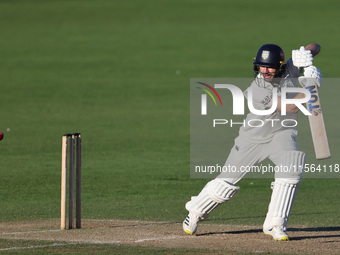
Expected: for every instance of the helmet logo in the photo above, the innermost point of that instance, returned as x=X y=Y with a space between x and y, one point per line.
x=265 y=54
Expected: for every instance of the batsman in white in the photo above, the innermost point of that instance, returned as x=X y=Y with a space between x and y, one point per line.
x=272 y=140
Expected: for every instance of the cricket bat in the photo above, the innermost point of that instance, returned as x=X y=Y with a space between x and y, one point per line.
x=317 y=124
x=316 y=121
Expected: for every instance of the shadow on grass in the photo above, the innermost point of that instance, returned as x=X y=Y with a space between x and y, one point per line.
x=316 y=229
x=247 y=231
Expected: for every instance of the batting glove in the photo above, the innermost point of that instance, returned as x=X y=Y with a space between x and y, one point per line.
x=302 y=57
x=311 y=75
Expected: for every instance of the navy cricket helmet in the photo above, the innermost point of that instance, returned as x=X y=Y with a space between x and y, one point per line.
x=270 y=55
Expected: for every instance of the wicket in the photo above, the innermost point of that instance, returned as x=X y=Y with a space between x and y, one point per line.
x=69 y=142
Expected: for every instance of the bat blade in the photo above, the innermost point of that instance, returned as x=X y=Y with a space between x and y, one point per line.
x=317 y=124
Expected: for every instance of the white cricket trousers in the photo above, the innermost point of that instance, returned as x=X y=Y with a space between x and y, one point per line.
x=244 y=154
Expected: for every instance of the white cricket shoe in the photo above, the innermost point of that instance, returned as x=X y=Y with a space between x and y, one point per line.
x=277 y=233
x=190 y=224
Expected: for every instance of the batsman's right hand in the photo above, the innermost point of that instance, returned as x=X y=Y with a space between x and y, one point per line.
x=311 y=75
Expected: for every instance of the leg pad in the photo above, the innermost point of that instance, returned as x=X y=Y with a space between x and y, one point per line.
x=213 y=194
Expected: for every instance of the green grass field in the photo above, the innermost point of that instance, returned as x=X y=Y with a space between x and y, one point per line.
x=119 y=73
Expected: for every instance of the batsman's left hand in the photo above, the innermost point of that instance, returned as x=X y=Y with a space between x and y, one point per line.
x=302 y=57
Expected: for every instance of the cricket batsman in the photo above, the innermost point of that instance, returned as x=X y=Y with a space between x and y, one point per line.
x=272 y=140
